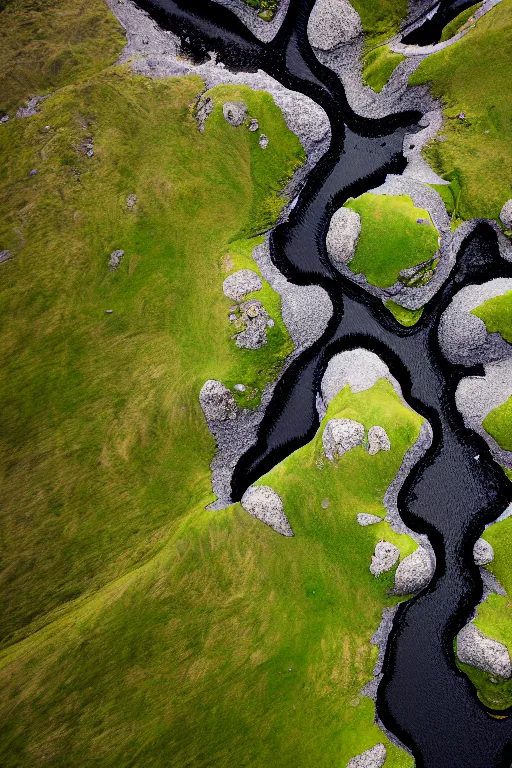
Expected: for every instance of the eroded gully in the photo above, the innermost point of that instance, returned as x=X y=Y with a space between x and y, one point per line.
x=450 y=495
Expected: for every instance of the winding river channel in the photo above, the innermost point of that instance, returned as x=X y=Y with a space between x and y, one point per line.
x=456 y=489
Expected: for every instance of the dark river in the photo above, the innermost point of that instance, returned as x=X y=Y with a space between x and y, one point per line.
x=423 y=698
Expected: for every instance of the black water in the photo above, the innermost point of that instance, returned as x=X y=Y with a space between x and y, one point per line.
x=450 y=495
x=431 y=30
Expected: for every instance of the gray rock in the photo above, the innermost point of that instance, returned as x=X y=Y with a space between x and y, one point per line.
x=31 y=106
x=115 y=259
x=4 y=256
x=255 y=319
x=217 y=402
x=253 y=125
x=371 y=758
x=413 y=573
x=240 y=388
x=340 y=436
x=343 y=234
x=478 y=650
x=33 y=172
x=364 y=519
x=263 y=503
x=378 y=440
x=234 y=112
x=331 y=23
x=109 y=311
x=325 y=503
x=506 y=215
x=241 y=283
x=359 y=368
x=5 y=119
x=131 y=201
x=263 y=142
x=384 y=557
x=204 y=109
x=483 y=552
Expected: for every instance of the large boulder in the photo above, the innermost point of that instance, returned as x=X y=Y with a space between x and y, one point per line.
x=342 y=236
x=241 y=283
x=217 y=402
x=256 y=320
x=263 y=503
x=365 y=518
x=506 y=215
x=340 y=436
x=378 y=440
x=478 y=650
x=331 y=23
x=384 y=557
x=413 y=573
x=372 y=758
x=483 y=552
x=234 y=112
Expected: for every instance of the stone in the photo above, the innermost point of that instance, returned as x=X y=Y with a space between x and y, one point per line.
x=31 y=107
x=506 y=215
x=234 y=112
x=203 y=111
x=413 y=573
x=4 y=119
x=4 y=256
x=241 y=283
x=240 y=388
x=131 y=201
x=371 y=758
x=115 y=259
x=263 y=142
x=480 y=651
x=378 y=440
x=340 y=436
x=325 y=503
x=342 y=236
x=483 y=552
x=253 y=124
x=254 y=318
x=217 y=402
x=263 y=503
x=364 y=519
x=33 y=172
x=461 y=115
x=424 y=221
x=384 y=557
x=108 y=311
x=331 y=23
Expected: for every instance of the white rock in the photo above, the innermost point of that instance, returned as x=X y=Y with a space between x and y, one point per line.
x=343 y=234
x=241 y=283
x=217 y=402
x=265 y=504
x=115 y=259
x=378 y=440
x=478 y=650
x=364 y=519
x=263 y=141
x=234 y=112
x=483 y=552
x=506 y=215
x=372 y=758
x=413 y=573
x=384 y=557
x=239 y=387
x=332 y=22
x=340 y=436
x=359 y=368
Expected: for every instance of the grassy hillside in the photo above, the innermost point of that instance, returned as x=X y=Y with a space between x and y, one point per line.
x=378 y=66
x=473 y=76
x=497 y=315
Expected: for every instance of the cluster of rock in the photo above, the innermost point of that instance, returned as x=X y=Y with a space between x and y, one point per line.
x=235 y=113
x=217 y=401
x=262 y=28
x=341 y=435
x=506 y=215
x=250 y=318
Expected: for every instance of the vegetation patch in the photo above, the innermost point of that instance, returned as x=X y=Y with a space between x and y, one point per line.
x=381 y=19
x=406 y=317
x=463 y=21
x=267 y=8
x=391 y=238
x=498 y=423
x=497 y=315
x=473 y=77
x=378 y=66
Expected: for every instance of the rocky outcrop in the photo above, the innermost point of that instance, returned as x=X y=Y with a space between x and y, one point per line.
x=4 y=256
x=359 y=368
x=255 y=320
x=378 y=440
x=234 y=112
x=342 y=236
x=478 y=650
x=384 y=557
x=463 y=337
x=265 y=504
x=115 y=259
x=365 y=518
x=217 y=402
x=483 y=552
x=238 y=285
x=340 y=436
x=506 y=215
x=31 y=107
x=204 y=108
x=331 y=23
x=414 y=572
x=262 y=29
x=371 y=758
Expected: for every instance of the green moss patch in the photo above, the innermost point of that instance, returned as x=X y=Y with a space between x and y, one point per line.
x=473 y=76
x=267 y=8
x=460 y=22
x=406 y=317
x=380 y=19
x=379 y=64
x=391 y=240
x=497 y=315
x=498 y=423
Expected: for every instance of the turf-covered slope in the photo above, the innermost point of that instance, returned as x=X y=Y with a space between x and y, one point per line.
x=232 y=645
x=103 y=443
x=473 y=76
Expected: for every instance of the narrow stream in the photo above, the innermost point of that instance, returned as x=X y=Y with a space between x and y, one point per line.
x=450 y=495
